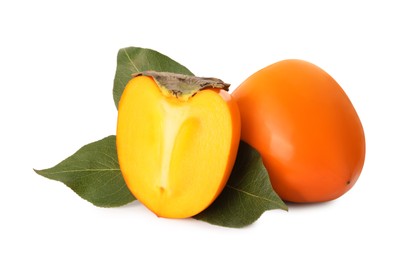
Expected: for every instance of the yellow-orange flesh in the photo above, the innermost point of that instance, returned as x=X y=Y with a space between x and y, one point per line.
x=176 y=155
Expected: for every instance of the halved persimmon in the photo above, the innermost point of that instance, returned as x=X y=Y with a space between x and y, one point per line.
x=177 y=140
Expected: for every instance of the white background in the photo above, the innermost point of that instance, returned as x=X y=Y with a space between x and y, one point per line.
x=57 y=65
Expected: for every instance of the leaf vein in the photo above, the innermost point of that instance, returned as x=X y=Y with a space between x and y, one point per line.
x=84 y=170
x=249 y=194
x=130 y=60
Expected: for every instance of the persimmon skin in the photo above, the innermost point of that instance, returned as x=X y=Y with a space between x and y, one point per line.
x=306 y=129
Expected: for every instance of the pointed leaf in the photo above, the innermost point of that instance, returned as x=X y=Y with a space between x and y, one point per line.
x=247 y=195
x=93 y=173
x=135 y=60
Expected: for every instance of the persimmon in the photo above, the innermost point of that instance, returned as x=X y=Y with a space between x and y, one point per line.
x=306 y=129
x=177 y=140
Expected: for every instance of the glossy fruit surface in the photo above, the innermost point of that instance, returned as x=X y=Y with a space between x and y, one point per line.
x=176 y=153
x=306 y=129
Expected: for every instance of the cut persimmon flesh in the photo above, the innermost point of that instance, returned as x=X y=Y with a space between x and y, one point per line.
x=176 y=150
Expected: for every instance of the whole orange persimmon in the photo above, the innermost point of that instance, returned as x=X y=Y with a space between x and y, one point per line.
x=305 y=128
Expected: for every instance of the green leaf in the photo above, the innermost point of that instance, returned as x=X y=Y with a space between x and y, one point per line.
x=134 y=60
x=247 y=195
x=93 y=173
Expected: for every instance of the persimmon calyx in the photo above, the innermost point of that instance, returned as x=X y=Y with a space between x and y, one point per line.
x=182 y=86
